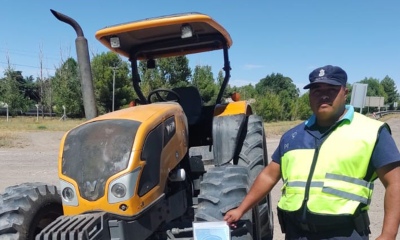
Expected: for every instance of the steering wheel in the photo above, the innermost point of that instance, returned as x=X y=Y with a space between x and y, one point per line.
x=163 y=97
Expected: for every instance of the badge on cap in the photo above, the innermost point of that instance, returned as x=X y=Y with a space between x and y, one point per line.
x=321 y=73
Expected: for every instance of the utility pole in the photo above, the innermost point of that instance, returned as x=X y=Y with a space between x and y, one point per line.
x=113 y=87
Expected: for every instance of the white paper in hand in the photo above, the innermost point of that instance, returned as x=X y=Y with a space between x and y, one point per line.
x=211 y=231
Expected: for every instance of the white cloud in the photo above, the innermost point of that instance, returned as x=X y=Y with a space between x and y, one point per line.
x=252 y=66
x=240 y=82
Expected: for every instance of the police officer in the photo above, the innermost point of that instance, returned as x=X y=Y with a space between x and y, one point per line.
x=328 y=165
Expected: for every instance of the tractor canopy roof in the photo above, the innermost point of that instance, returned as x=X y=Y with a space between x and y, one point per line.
x=165 y=36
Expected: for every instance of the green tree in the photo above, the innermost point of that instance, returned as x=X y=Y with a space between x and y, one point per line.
x=247 y=91
x=277 y=83
x=204 y=81
x=12 y=91
x=168 y=73
x=288 y=102
x=31 y=89
x=150 y=78
x=220 y=77
x=103 y=67
x=68 y=91
x=389 y=86
x=284 y=88
x=374 y=87
x=228 y=89
x=268 y=106
x=47 y=95
x=303 y=107
x=174 y=70
x=350 y=89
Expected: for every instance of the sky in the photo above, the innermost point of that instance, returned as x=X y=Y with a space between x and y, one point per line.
x=287 y=37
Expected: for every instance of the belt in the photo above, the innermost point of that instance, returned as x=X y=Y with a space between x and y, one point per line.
x=320 y=223
x=314 y=228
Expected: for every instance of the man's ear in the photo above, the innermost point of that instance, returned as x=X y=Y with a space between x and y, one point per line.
x=346 y=93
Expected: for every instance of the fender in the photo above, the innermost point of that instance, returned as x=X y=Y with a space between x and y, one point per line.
x=228 y=126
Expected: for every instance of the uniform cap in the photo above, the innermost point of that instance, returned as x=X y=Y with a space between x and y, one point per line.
x=328 y=74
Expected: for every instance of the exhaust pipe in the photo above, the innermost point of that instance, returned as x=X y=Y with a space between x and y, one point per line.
x=82 y=51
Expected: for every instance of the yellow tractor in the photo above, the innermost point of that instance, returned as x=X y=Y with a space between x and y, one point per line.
x=140 y=172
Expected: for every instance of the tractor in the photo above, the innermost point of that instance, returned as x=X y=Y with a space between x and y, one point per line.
x=141 y=172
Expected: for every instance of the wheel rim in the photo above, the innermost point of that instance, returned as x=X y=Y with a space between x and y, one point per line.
x=43 y=218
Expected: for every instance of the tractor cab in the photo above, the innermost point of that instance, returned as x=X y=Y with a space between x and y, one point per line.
x=168 y=36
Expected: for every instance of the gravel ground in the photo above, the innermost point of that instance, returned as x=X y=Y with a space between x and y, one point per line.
x=35 y=160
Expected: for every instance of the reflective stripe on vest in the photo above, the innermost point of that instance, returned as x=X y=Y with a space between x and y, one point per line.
x=337 y=185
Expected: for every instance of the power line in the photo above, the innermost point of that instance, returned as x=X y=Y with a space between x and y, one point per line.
x=24 y=53
x=22 y=65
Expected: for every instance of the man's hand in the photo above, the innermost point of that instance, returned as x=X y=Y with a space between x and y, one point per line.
x=390 y=177
x=383 y=237
x=232 y=216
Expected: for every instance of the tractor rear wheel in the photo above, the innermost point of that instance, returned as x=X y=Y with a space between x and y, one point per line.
x=27 y=208
x=253 y=155
x=223 y=188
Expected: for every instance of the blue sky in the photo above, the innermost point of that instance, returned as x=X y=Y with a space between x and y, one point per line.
x=287 y=37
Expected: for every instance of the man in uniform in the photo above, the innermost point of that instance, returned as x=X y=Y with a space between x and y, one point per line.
x=328 y=165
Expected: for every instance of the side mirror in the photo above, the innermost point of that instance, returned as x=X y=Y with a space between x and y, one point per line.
x=151 y=64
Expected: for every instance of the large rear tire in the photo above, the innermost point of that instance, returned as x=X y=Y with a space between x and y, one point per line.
x=26 y=209
x=222 y=189
x=253 y=155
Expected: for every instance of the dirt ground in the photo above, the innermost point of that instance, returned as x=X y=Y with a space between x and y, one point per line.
x=35 y=160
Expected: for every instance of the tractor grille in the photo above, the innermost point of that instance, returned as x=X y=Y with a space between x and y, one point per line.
x=85 y=226
x=96 y=151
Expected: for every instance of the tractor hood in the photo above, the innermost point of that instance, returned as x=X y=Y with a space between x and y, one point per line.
x=96 y=151
x=110 y=145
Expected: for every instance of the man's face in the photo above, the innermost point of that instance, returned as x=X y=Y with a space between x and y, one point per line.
x=327 y=101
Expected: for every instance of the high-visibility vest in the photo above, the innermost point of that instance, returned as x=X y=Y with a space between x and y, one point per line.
x=338 y=169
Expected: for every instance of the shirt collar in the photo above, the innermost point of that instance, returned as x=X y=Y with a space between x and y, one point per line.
x=348 y=115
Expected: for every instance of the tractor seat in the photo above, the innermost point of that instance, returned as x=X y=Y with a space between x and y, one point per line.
x=191 y=102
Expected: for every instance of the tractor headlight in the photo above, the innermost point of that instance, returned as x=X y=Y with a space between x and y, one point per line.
x=186 y=31
x=114 y=42
x=119 y=190
x=123 y=188
x=68 y=194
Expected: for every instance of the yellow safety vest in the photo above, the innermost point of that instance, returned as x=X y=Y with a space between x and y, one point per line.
x=338 y=185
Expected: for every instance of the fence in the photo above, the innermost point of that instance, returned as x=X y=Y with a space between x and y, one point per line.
x=383 y=113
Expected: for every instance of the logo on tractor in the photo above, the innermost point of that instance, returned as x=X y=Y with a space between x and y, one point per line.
x=91 y=186
x=170 y=127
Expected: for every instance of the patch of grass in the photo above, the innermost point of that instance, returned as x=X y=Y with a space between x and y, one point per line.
x=10 y=139
x=22 y=123
x=7 y=139
x=278 y=128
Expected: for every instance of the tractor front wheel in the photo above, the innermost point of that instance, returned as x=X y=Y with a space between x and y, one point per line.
x=27 y=208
